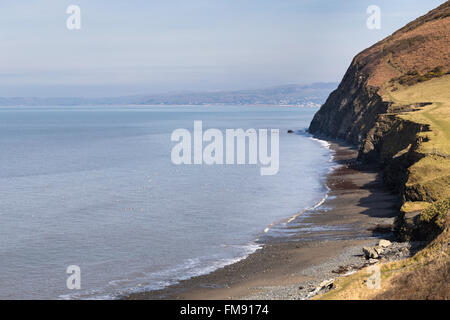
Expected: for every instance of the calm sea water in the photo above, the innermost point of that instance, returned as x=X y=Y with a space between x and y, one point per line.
x=95 y=187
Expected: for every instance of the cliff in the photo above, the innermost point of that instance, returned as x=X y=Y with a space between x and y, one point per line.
x=417 y=49
x=394 y=104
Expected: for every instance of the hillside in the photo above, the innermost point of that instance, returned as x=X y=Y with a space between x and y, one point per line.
x=394 y=104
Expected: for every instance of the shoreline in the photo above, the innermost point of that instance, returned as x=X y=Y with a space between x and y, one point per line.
x=321 y=242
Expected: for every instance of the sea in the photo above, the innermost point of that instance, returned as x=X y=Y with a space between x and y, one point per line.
x=95 y=187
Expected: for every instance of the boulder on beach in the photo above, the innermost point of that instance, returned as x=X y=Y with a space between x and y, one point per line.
x=370 y=253
x=384 y=243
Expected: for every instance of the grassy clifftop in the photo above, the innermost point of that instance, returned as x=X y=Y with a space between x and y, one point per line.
x=428 y=179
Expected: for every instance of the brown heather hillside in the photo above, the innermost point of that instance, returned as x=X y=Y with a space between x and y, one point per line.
x=420 y=46
x=394 y=104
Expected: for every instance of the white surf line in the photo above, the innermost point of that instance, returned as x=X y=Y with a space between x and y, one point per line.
x=318 y=204
x=268 y=228
x=326 y=145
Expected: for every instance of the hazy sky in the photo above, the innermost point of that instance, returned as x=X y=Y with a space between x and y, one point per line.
x=144 y=46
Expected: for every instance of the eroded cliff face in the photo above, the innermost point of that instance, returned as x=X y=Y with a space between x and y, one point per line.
x=351 y=110
x=393 y=142
x=357 y=114
x=363 y=112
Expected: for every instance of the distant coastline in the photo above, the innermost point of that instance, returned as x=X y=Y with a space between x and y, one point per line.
x=312 y=95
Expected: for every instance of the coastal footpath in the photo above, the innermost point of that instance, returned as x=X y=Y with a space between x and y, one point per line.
x=393 y=104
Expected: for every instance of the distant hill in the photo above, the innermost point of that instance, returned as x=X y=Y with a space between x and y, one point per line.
x=312 y=95
x=302 y=95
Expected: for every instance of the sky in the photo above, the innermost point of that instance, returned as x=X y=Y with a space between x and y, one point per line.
x=145 y=46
